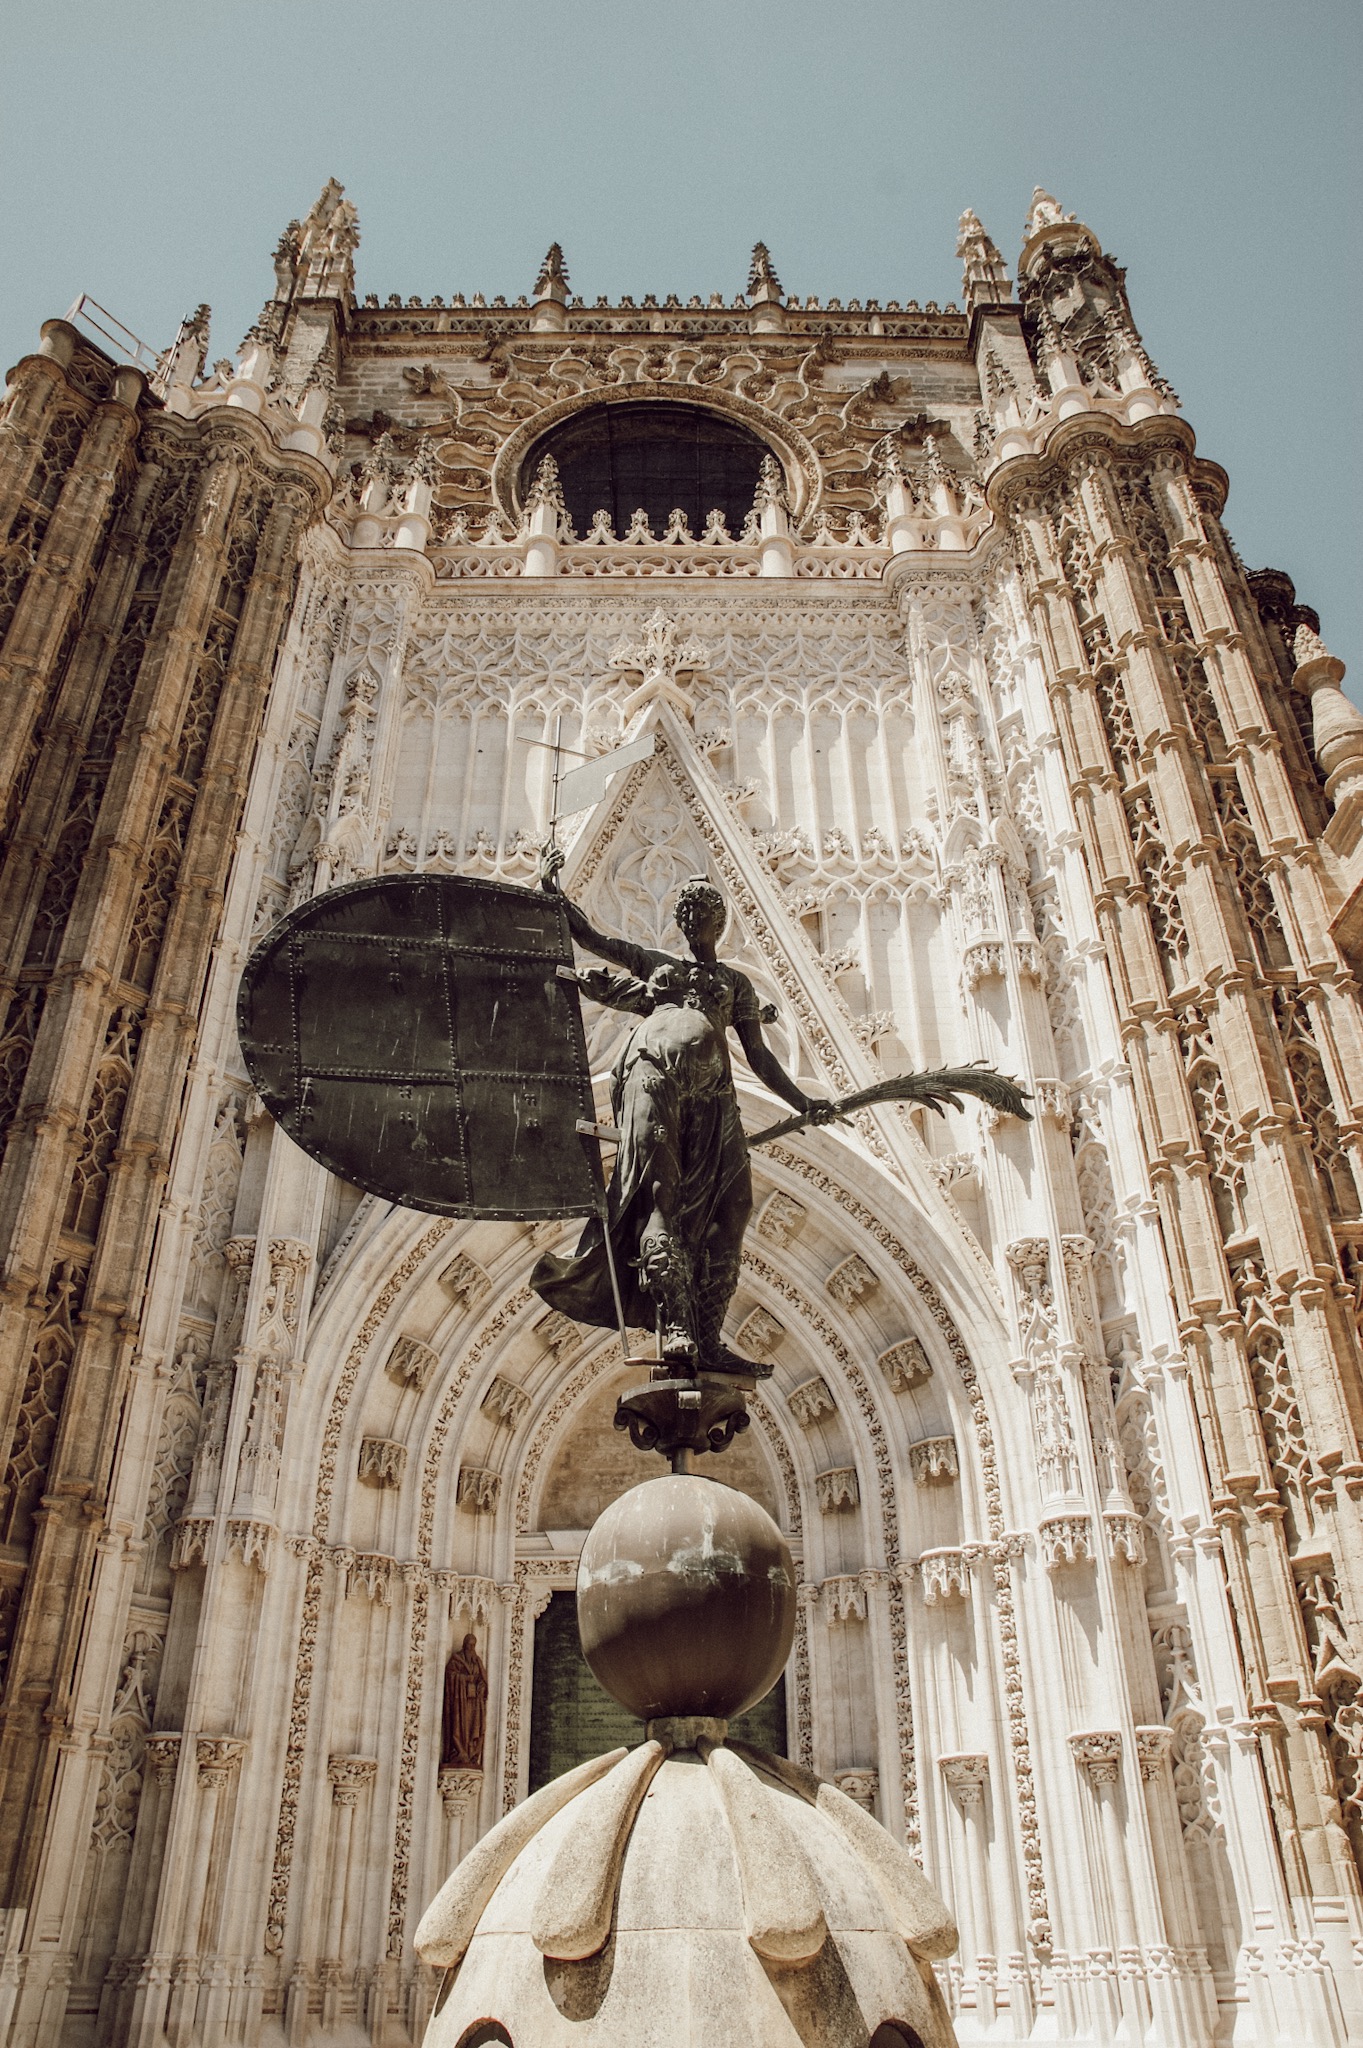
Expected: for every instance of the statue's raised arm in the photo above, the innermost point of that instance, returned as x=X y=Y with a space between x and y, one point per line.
x=637 y=960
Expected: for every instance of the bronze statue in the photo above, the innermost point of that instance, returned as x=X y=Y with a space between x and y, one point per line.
x=681 y=1193
x=464 y=1724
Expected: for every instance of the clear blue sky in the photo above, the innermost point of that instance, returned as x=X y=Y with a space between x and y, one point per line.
x=151 y=154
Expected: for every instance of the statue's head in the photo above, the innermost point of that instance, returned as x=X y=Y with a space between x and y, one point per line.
x=700 y=910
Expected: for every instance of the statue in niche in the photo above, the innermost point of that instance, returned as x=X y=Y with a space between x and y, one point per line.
x=464 y=1723
x=681 y=1193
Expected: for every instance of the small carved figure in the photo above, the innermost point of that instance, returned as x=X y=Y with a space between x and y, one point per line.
x=464 y=1728
x=681 y=1194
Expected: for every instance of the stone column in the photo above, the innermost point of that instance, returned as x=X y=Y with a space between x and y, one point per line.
x=349 y=1775
x=162 y=1756
x=966 y=1776
x=459 y=1790
x=1098 y=1754
x=217 y=1758
x=773 y=513
x=141 y=2022
x=55 y=582
x=34 y=387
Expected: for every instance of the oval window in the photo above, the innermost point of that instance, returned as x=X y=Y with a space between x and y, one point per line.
x=660 y=458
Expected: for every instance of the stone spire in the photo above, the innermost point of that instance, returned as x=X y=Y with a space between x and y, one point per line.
x=985 y=281
x=1085 y=340
x=552 y=282
x=551 y=293
x=181 y=365
x=764 y=286
x=322 y=252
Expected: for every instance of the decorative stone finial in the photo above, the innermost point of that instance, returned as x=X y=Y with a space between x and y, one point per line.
x=618 y=1888
x=552 y=282
x=1336 y=724
x=764 y=286
x=1046 y=212
x=286 y=258
x=321 y=255
x=1308 y=648
x=771 y=485
x=985 y=280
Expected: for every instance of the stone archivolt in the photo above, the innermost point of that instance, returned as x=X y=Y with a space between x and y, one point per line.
x=994 y=747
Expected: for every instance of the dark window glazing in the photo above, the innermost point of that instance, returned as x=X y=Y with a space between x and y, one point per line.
x=661 y=457
x=572 y=1719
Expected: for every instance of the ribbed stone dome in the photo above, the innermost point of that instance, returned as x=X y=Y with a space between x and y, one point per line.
x=688 y=1894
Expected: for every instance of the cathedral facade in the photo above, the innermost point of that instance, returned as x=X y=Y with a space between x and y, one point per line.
x=958 y=688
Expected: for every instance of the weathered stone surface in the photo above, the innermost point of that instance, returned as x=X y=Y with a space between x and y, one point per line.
x=721 y=1935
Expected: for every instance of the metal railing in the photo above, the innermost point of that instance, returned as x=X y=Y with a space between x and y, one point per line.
x=112 y=334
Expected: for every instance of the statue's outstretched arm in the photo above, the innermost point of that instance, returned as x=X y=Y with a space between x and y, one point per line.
x=637 y=960
x=768 y=1068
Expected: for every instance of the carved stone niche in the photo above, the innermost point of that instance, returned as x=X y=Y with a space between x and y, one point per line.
x=371 y=1573
x=218 y=1756
x=837 y=1489
x=349 y=1776
x=780 y=1218
x=559 y=1334
x=759 y=1334
x=932 y=1461
x=382 y=1462
x=905 y=1365
x=465 y=1279
x=810 y=1400
x=945 y=1575
x=478 y=1490
x=1066 y=1540
x=844 y=1599
x=984 y=961
x=249 y=1539
x=505 y=1402
x=458 y=1788
x=1098 y=1752
x=189 y=1544
x=1125 y=1536
x=966 y=1773
x=411 y=1363
x=861 y=1784
x=852 y=1281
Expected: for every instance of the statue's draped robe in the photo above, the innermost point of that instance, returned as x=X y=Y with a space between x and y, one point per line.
x=673 y=1101
x=465 y=1718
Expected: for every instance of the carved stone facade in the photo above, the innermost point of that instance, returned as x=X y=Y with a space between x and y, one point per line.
x=999 y=754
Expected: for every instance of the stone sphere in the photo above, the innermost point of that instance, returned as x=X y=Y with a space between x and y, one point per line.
x=686 y=1599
